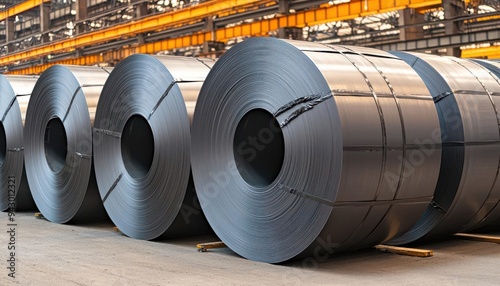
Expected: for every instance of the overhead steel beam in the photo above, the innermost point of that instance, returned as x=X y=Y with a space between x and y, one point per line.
x=21 y=7
x=444 y=41
x=322 y=14
x=157 y=22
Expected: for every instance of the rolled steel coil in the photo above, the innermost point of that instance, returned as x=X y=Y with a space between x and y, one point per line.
x=492 y=66
x=302 y=149
x=142 y=146
x=468 y=188
x=493 y=218
x=58 y=143
x=15 y=92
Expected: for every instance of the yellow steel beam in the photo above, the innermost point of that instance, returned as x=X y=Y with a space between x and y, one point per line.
x=323 y=14
x=21 y=8
x=492 y=52
x=82 y=61
x=147 y=24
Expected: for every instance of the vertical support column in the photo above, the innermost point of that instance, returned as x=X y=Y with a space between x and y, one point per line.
x=140 y=39
x=45 y=21
x=284 y=7
x=291 y=33
x=210 y=27
x=81 y=14
x=211 y=46
x=410 y=17
x=9 y=33
x=453 y=9
x=141 y=9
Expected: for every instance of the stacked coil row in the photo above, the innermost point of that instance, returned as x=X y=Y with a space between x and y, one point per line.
x=289 y=149
x=15 y=93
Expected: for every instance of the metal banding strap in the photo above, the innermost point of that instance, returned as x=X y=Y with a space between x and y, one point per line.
x=83 y=156
x=11 y=103
x=108 y=132
x=438 y=208
x=113 y=186
x=202 y=62
x=441 y=96
x=354 y=203
x=310 y=101
x=105 y=70
x=338 y=92
x=74 y=95
x=164 y=95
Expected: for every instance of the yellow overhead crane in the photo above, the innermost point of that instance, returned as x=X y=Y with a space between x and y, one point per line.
x=21 y=8
x=147 y=24
x=491 y=52
x=324 y=14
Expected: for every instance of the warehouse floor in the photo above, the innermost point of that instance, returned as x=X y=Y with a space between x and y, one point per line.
x=53 y=254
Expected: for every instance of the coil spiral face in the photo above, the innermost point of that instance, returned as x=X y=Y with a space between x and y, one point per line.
x=14 y=95
x=300 y=145
x=58 y=138
x=142 y=146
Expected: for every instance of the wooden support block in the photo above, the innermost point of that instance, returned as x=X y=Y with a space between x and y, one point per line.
x=479 y=237
x=116 y=229
x=203 y=247
x=39 y=216
x=405 y=250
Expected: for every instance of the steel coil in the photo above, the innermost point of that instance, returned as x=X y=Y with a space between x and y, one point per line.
x=142 y=146
x=492 y=66
x=14 y=95
x=58 y=143
x=493 y=217
x=468 y=186
x=303 y=149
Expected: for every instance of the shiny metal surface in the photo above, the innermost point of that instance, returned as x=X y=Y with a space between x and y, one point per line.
x=142 y=146
x=468 y=186
x=14 y=95
x=58 y=143
x=493 y=216
x=354 y=169
x=492 y=66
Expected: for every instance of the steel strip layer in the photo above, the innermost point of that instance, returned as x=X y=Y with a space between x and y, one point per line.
x=142 y=146
x=493 y=216
x=301 y=149
x=58 y=143
x=493 y=67
x=14 y=95
x=468 y=186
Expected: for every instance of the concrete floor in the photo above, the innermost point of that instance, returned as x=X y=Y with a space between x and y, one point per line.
x=53 y=254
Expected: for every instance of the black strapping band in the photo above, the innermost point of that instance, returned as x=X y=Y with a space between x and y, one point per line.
x=11 y=103
x=108 y=132
x=112 y=188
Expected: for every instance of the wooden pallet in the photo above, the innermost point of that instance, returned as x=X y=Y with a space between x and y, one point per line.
x=203 y=247
x=404 y=250
x=479 y=237
x=39 y=216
